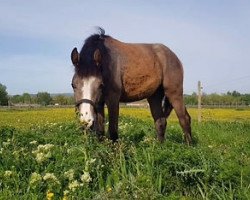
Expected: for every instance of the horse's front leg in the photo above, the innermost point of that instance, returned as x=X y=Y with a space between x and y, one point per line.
x=113 y=112
x=100 y=121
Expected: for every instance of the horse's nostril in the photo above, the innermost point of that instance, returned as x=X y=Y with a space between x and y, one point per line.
x=84 y=122
x=87 y=123
x=86 y=113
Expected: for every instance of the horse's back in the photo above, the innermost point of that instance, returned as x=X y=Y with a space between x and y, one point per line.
x=141 y=67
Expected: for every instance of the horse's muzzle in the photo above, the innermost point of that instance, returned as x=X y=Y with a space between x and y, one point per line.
x=85 y=118
x=87 y=124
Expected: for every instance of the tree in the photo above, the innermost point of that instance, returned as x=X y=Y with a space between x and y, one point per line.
x=235 y=94
x=60 y=99
x=3 y=95
x=17 y=99
x=26 y=98
x=44 y=98
x=191 y=99
x=246 y=99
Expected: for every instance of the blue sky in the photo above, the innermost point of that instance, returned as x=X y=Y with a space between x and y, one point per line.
x=211 y=38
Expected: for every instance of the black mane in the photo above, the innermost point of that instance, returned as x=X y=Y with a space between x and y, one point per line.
x=96 y=41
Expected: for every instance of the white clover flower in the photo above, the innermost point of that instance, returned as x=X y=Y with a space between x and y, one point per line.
x=8 y=173
x=40 y=157
x=42 y=152
x=74 y=185
x=1 y=150
x=69 y=174
x=45 y=147
x=33 y=142
x=51 y=177
x=35 y=177
x=86 y=177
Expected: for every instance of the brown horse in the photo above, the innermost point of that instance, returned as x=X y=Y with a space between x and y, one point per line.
x=108 y=71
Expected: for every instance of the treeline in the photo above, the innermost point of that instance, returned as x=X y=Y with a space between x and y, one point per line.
x=41 y=98
x=233 y=98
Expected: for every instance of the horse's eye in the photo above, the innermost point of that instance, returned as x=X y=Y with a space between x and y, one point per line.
x=73 y=86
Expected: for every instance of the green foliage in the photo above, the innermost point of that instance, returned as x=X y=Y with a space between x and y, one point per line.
x=63 y=100
x=191 y=99
x=230 y=98
x=246 y=99
x=61 y=159
x=3 y=95
x=27 y=98
x=16 y=99
x=44 y=98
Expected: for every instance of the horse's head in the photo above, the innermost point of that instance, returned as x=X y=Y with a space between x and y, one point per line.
x=87 y=84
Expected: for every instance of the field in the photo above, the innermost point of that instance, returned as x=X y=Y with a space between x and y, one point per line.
x=44 y=154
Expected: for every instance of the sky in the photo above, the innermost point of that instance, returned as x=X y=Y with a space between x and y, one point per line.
x=211 y=38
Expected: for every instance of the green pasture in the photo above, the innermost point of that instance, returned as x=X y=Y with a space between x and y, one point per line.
x=44 y=154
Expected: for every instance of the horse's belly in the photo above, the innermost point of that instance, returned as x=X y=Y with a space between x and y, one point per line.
x=139 y=87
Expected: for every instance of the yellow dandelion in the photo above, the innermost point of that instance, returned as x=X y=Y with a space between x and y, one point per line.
x=109 y=189
x=50 y=195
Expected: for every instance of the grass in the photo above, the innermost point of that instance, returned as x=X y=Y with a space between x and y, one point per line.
x=45 y=155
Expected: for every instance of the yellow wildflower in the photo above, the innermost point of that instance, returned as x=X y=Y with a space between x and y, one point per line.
x=109 y=189
x=50 y=195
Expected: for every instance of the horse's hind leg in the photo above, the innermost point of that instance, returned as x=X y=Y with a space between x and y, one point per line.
x=155 y=103
x=167 y=107
x=182 y=114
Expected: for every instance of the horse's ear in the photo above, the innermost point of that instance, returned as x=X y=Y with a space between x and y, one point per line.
x=75 y=57
x=97 y=57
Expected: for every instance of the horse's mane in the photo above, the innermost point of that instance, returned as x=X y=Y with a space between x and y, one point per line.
x=93 y=42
